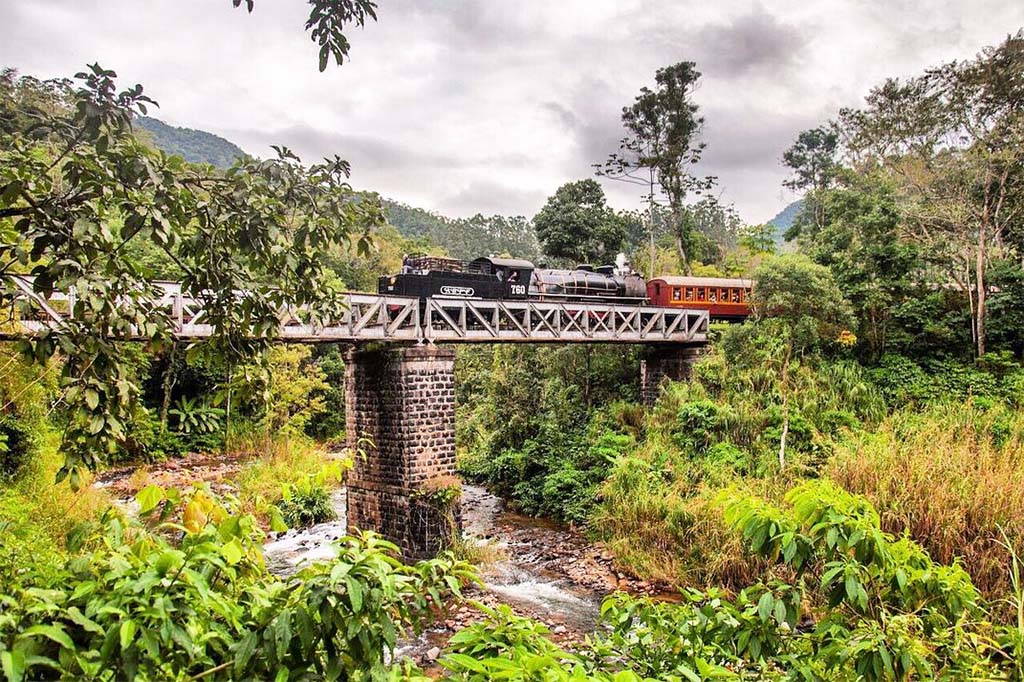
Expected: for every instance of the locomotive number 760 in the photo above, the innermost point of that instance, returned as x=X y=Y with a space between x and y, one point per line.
x=517 y=289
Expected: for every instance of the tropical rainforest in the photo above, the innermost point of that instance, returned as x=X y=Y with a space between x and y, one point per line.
x=837 y=493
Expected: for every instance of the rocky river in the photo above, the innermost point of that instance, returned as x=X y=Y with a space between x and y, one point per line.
x=540 y=568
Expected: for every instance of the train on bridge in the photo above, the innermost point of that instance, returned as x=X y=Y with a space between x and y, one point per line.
x=490 y=278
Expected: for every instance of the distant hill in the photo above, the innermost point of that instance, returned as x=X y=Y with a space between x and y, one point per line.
x=195 y=146
x=785 y=219
x=413 y=222
x=459 y=237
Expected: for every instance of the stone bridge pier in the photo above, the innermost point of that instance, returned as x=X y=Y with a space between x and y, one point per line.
x=400 y=412
x=665 y=363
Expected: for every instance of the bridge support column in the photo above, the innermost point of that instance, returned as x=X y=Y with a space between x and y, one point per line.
x=400 y=410
x=664 y=362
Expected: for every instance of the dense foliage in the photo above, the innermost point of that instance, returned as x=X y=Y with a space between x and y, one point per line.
x=131 y=605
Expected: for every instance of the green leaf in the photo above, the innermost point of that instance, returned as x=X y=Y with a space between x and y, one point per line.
x=852 y=587
x=127 y=633
x=277 y=522
x=13 y=665
x=79 y=619
x=355 y=593
x=149 y=497
x=244 y=652
x=53 y=632
x=764 y=605
x=232 y=552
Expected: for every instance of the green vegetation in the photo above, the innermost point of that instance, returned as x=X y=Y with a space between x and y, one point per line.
x=130 y=605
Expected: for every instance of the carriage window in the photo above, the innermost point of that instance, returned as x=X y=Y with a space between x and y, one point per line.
x=689 y=293
x=675 y=293
x=701 y=293
x=735 y=296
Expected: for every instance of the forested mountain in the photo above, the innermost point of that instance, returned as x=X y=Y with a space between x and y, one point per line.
x=784 y=220
x=195 y=146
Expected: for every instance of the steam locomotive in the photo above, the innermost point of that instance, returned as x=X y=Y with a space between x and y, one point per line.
x=513 y=279
x=424 y=276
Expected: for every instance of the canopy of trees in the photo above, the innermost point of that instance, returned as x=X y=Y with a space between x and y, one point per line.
x=576 y=225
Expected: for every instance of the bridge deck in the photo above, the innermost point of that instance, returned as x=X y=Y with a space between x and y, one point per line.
x=373 y=317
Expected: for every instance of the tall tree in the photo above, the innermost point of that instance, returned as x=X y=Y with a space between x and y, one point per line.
x=954 y=141
x=813 y=158
x=576 y=224
x=661 y=148
x=797 y=308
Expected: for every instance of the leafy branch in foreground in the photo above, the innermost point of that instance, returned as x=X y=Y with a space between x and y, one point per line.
x=327 y=22
x=81 y=196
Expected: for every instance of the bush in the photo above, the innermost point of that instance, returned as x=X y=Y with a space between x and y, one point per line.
x=306 y=506
x=141 y=608
x=699 y=424
x=17 y=445
x=300 y=470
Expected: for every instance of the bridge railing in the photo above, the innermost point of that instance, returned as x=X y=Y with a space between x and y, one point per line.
x=398 y=319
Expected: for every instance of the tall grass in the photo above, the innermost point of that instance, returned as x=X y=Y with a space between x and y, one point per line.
x=262 y=480
x=952 y=476
x=55 y=508
x=664 y=527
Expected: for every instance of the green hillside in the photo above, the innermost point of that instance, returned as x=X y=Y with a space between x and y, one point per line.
x=785 y=218
x=195 y=146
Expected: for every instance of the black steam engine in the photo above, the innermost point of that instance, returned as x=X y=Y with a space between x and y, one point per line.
x=509 y=278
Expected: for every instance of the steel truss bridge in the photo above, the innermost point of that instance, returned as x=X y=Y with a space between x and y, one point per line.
x=396 y=319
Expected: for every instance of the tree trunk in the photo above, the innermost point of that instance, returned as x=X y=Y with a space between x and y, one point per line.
x=979 y=275
x=782 y=441
x=682 y=256
x=586 y=387
x=170 y=378
x=784 y=388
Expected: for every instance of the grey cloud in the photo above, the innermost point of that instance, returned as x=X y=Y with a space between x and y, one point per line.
x=473 y=106
x=754 y=42
x=490 y=197
x=738 y=135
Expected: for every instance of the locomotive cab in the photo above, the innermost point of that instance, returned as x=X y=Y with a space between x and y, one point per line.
x=512 y=274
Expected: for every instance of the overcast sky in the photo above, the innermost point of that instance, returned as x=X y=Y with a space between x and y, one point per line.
x=466 y=106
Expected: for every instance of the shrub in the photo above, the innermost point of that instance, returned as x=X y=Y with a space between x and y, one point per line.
x=306 y=505
x=266 y=481
x=699 y=424
x=139 y=607
x=17 y=445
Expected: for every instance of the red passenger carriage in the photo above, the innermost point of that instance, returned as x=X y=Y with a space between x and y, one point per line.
x=723 y=298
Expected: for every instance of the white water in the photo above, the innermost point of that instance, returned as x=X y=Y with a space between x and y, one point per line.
x=516 y=580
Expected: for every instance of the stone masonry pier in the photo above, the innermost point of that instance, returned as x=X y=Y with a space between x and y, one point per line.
x=665 y=362
x=400 y=411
